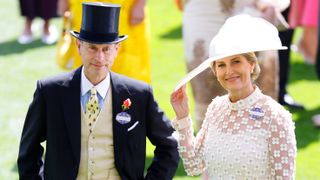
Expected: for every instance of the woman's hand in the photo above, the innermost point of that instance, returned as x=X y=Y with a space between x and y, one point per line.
x=180 y=102
x=137 y=12
x=269 y=14
x=63 y=6
x=181 y=4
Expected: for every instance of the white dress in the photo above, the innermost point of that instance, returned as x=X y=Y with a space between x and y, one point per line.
x=250 y=139
x=202 y=20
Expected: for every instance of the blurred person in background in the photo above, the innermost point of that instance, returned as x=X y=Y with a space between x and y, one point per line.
x=304 y=14
x=286 y=37
x=316 y=118
x=44 y=9
x=133 y=59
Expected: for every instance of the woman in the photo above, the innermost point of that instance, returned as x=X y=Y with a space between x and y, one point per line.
x=133 y=59
x=201 y=21
x=304 y=13
x=46 y=10
x=245 y=134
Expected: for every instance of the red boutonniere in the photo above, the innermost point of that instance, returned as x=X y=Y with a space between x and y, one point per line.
x=126 y=104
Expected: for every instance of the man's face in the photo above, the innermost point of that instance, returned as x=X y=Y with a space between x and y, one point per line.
x=97 y=59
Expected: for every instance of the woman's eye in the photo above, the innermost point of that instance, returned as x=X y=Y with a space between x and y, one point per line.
x=236 y=62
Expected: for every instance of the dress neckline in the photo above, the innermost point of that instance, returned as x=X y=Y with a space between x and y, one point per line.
x=246 y=102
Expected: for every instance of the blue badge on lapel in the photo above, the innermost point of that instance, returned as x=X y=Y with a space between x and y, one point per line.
x=123 y=118
x=256 y=113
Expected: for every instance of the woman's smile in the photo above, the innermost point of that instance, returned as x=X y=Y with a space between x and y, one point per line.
x=232 y=79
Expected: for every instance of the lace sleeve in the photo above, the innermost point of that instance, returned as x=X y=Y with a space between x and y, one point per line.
x=282 y=146
x=191 y=148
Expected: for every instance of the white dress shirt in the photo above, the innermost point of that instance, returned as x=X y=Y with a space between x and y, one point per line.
x=102 y=89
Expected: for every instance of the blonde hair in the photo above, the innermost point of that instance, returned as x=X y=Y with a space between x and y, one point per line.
x=251 y=58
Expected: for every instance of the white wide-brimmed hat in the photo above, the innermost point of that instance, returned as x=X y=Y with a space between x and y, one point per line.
x=239 y=34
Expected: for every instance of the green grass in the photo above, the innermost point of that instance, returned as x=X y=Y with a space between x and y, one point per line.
x=21 y=66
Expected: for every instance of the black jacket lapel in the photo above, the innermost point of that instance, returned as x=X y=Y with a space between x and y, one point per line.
x=119 y=93
x=71 y=107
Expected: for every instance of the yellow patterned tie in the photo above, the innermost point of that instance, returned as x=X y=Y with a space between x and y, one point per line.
x=92 y=108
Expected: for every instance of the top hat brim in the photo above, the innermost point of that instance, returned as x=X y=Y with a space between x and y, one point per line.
x=206 y=63
x=117 y=40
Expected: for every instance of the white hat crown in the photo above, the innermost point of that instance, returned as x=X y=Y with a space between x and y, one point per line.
x=243 y=33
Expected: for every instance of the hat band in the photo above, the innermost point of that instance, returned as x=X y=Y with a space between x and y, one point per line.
x=98 y=37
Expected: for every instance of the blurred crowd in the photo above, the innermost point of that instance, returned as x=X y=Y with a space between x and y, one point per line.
x=198 y=29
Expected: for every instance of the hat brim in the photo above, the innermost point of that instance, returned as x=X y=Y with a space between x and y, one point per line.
x=117 y=40
x=205 y=64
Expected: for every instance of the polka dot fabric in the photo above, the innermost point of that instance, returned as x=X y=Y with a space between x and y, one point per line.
x=92 y=109
x=250 y=139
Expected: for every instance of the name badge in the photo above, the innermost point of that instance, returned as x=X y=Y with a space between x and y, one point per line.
x=256 y=113
x=123 y=118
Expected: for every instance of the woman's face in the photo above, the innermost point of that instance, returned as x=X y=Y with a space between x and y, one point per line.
x=234 y=73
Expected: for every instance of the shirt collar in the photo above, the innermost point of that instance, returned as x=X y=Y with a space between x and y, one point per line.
x=102 y=87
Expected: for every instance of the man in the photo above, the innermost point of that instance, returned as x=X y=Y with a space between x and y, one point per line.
x=134 y=21
x=95 y=122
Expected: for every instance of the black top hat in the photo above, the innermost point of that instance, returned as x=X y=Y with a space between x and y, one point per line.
x=99 y=23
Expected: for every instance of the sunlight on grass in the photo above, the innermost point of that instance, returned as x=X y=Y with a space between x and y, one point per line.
x=21 y=66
